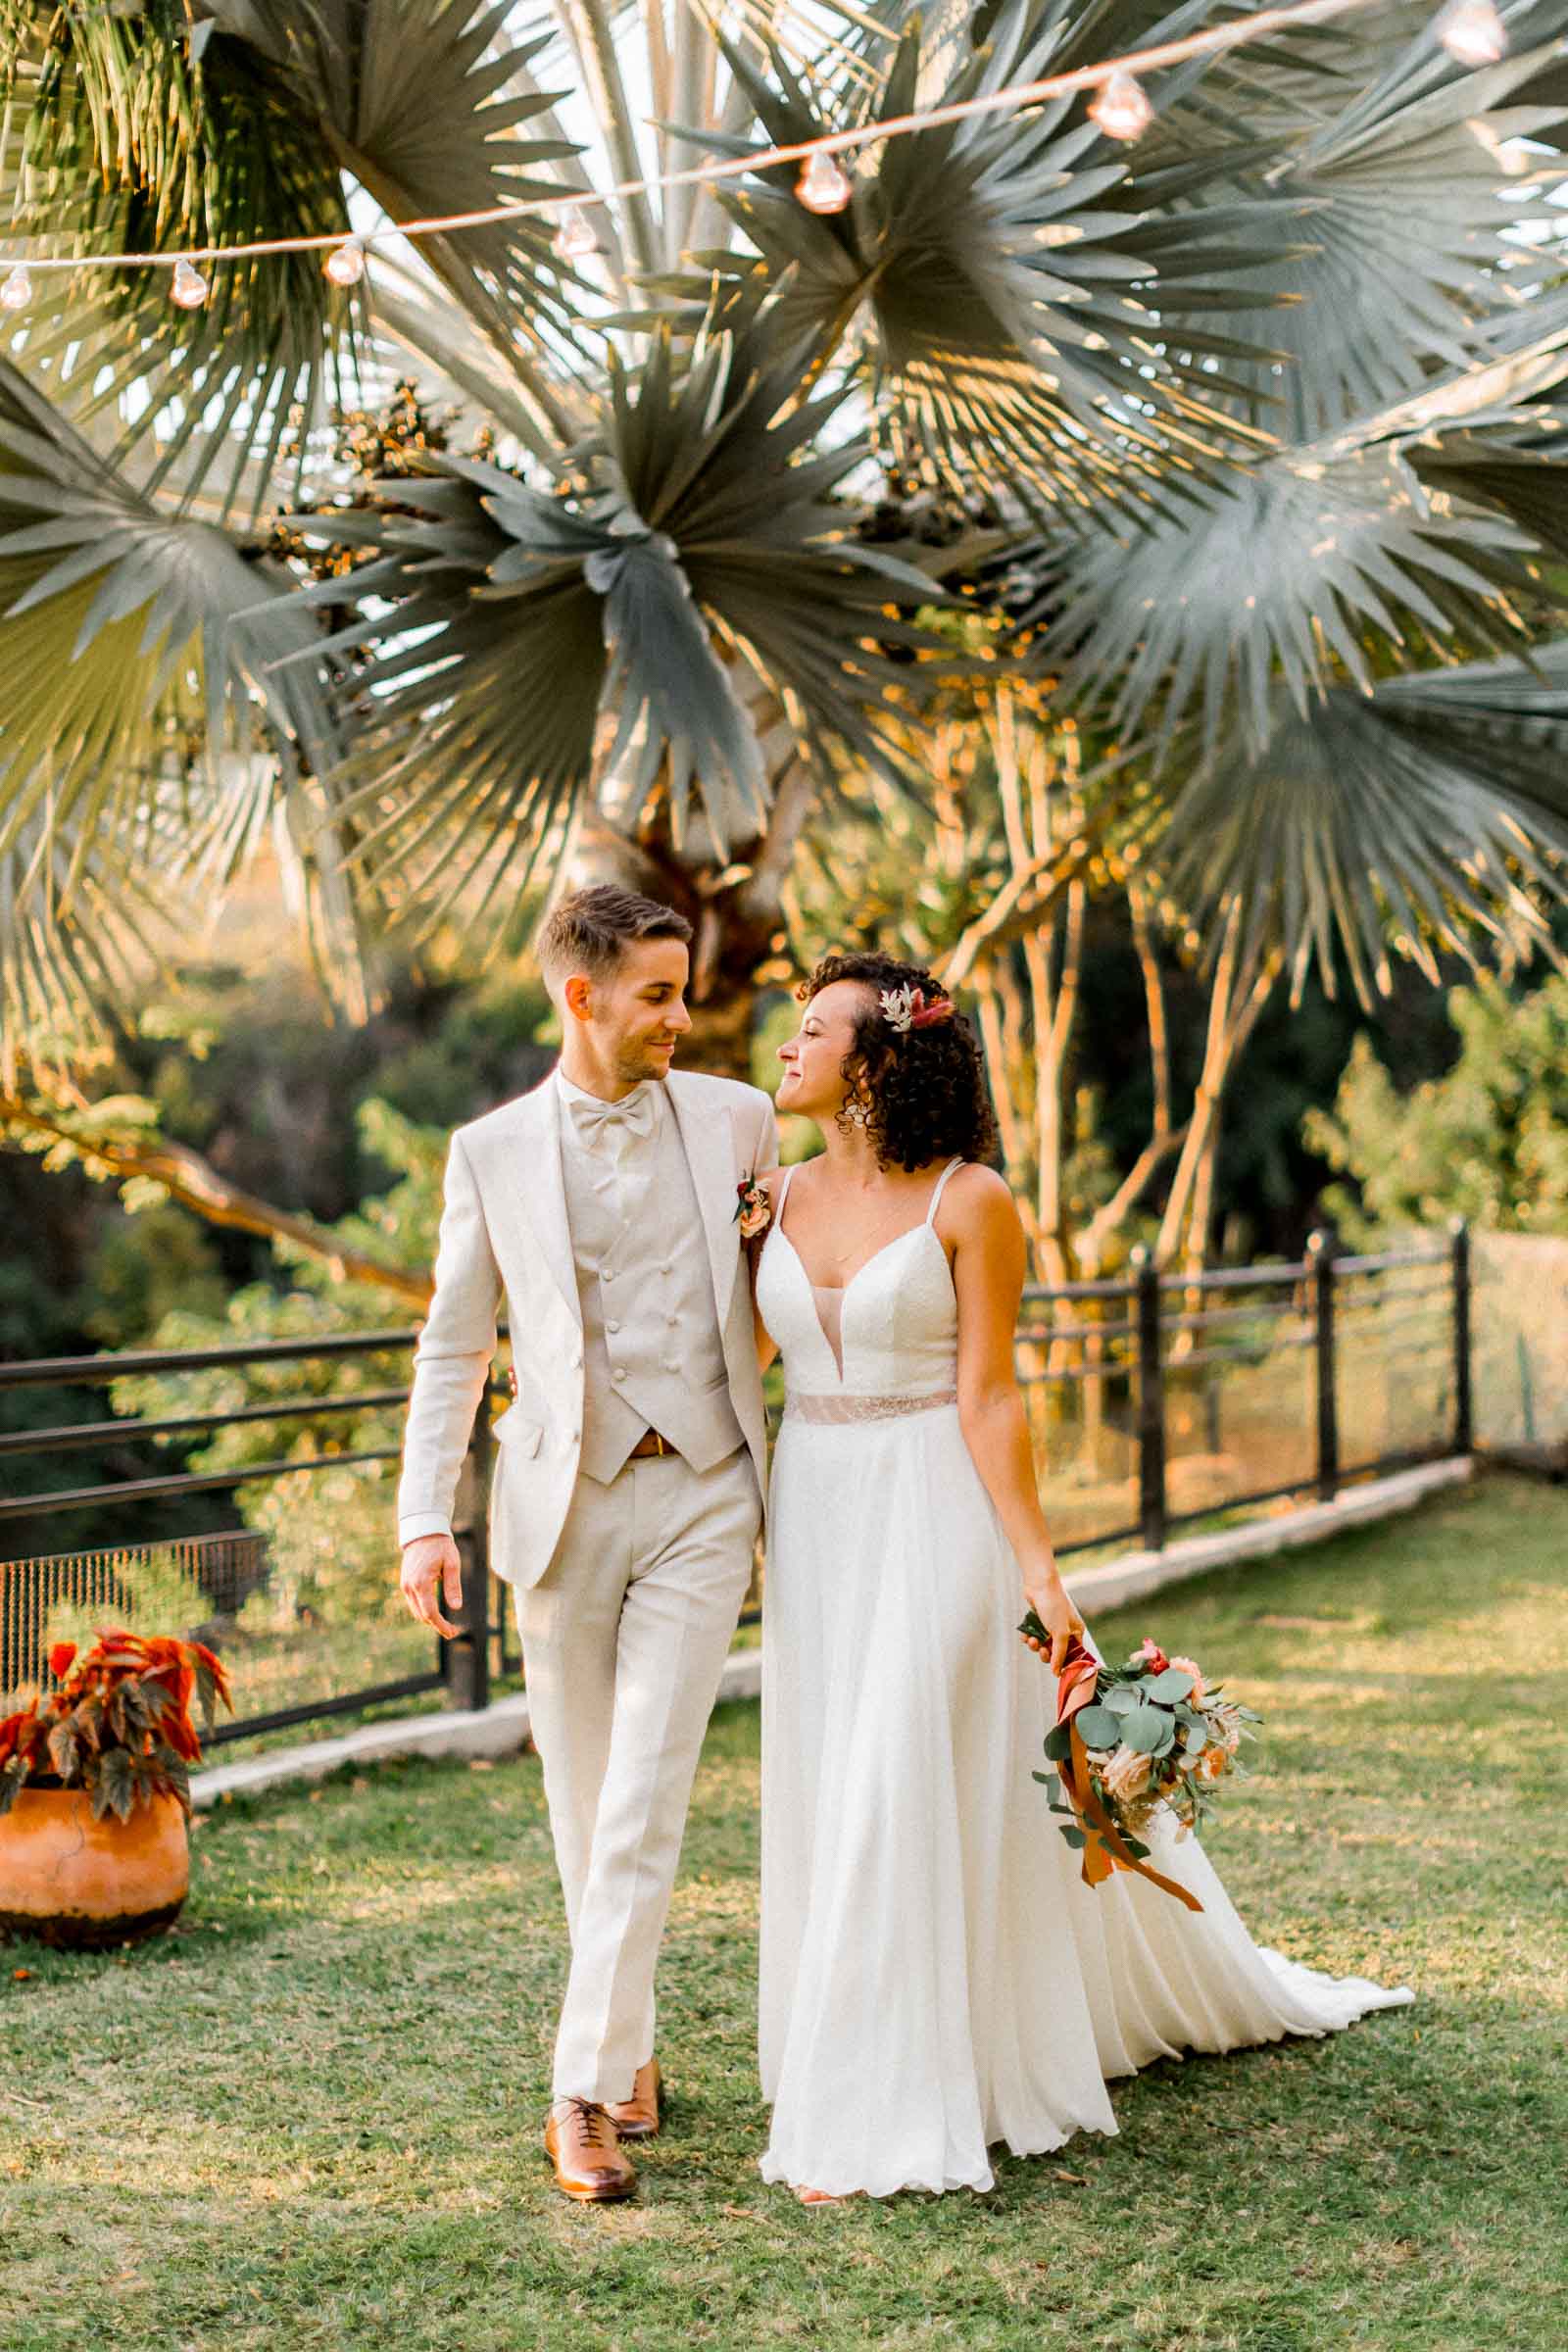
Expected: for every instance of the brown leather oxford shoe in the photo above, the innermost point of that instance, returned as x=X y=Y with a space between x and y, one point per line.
x=640 y=2116
x=584 y=2146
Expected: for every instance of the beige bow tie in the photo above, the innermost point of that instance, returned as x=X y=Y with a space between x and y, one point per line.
x=609 y=1122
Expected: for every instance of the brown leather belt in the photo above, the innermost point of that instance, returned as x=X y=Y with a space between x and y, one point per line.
x=649 y=1443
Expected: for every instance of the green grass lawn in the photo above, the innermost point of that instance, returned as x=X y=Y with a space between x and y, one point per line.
x=310 y=2117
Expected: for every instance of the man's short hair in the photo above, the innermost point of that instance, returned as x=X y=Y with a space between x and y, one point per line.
x=590 y=931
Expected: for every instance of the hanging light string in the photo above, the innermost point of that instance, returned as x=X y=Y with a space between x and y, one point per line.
x=1471 y=30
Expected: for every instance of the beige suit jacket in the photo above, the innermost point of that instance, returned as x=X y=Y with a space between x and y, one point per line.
x=504 y=1236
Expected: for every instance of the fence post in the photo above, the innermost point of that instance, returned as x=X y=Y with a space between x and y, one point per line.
x=1150 y=1404
x=469 y=1655
x=1463 y=1392
x=1320 y=1261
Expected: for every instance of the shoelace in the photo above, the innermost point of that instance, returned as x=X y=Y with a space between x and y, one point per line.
x=592 y=2122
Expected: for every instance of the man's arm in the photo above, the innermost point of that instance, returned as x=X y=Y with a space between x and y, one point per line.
x=451 y=1364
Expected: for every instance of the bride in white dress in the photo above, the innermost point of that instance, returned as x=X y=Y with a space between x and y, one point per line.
x=935 y=1978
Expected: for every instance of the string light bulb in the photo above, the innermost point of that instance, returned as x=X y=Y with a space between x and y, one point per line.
x=823 y=186
x=574 y=240
x=189 y=288
x=345 y=264
x=1472 y=31
x=1121 y=110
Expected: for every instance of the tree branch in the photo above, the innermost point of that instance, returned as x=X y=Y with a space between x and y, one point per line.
x=1205 y=1094
x=1065 y=1009
x=1155 y=1003
x=1105 y=1219
x=1005 y=918
x=1009 y=1112
x=198 y=1186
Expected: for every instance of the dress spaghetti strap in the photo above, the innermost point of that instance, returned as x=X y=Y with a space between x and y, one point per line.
x=941 y=1188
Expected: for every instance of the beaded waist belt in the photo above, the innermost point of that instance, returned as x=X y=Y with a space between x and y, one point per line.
x=844 y=1409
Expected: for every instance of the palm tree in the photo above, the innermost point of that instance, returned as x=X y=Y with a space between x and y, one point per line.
x=1258 y=425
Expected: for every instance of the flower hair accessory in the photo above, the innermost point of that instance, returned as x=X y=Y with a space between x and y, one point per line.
x=907 y=1009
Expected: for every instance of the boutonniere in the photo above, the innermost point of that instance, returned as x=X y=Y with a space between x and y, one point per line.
x=754 y=1209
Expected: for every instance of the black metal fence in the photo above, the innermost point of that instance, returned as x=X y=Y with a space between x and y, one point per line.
x=206 y=1579
x=1157 y=1400
x=1162 y=1400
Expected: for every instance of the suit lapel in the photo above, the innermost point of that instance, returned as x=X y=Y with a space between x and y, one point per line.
x=710 y=1156
x=537 y=1189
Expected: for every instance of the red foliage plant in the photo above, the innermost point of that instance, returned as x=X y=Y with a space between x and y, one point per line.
x=119 y=1726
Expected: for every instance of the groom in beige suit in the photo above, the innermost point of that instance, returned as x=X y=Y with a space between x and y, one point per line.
x=630 y=1468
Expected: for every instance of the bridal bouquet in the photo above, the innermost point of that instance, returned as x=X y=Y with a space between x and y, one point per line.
x=1130 y=1738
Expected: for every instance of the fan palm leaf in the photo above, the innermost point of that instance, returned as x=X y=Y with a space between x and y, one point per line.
x=1516 y=469
x=123 y=134
x=531 y=643
x=79 y=916
x=1428 y=811
x=414 y=100
x=1499 y=438
x=1291 y=357
x=1410 y=224
x=1035 y=317
x=1302 y=572
x=107 y=143
x=132 y=638
x=1415 y=533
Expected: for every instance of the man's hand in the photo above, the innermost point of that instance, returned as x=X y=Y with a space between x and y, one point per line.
x=433 y=1573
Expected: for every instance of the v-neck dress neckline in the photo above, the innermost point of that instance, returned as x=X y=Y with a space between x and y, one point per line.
x=830 y=1323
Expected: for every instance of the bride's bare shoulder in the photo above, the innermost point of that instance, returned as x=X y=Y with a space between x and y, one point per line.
x=978 y=1185
x=976 y=1201
x=795 y=1172
x=771 y=1182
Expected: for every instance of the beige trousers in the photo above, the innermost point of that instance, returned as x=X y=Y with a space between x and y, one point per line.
x=623 y=1638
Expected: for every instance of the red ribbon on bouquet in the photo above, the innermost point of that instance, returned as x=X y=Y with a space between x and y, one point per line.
x=1105 y=1848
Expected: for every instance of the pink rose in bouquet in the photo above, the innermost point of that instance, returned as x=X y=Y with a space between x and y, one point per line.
x=1127 y=1774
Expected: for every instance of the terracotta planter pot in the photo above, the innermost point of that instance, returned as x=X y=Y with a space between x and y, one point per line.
x=69 y=1880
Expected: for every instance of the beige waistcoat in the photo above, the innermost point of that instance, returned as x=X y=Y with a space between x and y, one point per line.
x=653 y=1352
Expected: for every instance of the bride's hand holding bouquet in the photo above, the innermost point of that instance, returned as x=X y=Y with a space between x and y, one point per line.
x=1053 y=1624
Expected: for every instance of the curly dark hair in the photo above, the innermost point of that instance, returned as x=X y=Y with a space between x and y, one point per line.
x=924 y=1090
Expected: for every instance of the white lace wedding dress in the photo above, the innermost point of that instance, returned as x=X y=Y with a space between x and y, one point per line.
x=935 y=1977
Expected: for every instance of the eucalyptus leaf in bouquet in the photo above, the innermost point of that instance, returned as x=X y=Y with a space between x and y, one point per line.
x=1130 y=1741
